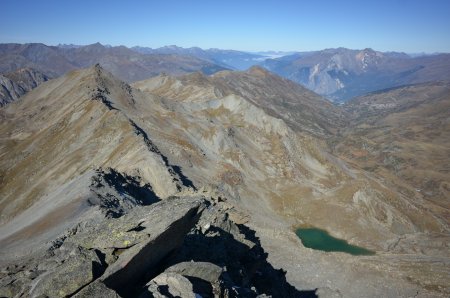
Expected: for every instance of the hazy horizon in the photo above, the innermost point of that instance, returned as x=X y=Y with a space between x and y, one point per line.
x=251 y=26
x=229 y=49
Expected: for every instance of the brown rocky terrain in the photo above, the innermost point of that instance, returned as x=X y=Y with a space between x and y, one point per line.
x=239 y=161
x=300 y=108
x=178 y=247
x=402 y=136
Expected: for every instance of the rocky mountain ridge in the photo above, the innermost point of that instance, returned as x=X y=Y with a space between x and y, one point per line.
x=276 y=96
x=89 y=148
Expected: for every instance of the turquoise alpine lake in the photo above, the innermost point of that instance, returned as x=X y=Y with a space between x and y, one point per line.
x=320 y=239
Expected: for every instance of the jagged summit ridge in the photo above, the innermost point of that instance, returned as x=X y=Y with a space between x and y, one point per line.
x=258 y=71
x=299 y=108
x=73 y=135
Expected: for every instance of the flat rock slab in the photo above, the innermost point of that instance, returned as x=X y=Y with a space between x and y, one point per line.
x=204 y=270
x=96 y=289
x=104 y=258
x=155 y=233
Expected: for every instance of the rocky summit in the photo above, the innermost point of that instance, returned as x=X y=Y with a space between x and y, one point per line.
x=194 y=185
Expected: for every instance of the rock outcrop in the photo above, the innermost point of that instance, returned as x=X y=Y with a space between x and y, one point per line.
x=181 y=246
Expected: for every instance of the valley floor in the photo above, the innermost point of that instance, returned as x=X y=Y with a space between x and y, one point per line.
x=343 y=275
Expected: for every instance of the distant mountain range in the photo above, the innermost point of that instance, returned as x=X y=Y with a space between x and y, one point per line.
x=337 y=74
x=123 y=62
x=231 y=59
x=340 y=74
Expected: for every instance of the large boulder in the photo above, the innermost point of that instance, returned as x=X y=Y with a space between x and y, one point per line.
x=184 y=246
x=203 y=270
x=76 y=267
x=169 y=285
x=151 y=237
x=111 y=253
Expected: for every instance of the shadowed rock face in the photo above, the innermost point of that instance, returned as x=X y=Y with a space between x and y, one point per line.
x=15 y=84
x=109 y=248
x=116 y=193
x=131 y=256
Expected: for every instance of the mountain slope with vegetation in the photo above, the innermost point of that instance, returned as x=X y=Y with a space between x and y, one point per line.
x=402 y=135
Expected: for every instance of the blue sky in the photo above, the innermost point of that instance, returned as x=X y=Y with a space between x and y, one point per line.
x=387 y=25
